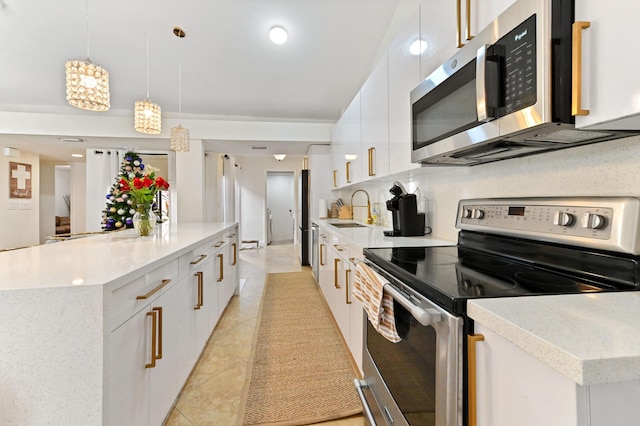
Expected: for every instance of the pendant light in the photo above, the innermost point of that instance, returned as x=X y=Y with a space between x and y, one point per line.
x=147 y=117
x=87 y=83
x=179 y=135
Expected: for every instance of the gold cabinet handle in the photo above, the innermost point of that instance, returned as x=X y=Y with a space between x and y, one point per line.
x=148 y=295
x=321 y=258
x=469 y=36
x=335 y=178
x=472 y=339
x=459 y=23
x=221 y=276
x=576 y=68
x=372 y=171
x=335 y=272
x=339 y=248
x=200 y=259
x=154 y=319
x=348 y=166
x=200 y=290
x=218 y=244
x=159 y=310
x=235 y=254
x=347 y=276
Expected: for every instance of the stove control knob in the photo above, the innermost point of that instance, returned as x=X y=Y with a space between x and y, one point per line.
x=593 y=221
x=477 y=214
x=562 y=219
x=466 y=213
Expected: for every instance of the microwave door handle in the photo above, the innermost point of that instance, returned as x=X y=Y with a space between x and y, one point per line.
x=481 y=85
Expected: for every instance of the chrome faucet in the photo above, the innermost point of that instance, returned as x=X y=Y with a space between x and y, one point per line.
x=368 y=206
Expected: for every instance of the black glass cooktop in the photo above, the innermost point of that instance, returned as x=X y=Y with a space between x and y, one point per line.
x=490 y=266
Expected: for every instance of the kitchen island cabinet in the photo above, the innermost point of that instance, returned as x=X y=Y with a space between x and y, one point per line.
x=565 y=360
x=85 y=320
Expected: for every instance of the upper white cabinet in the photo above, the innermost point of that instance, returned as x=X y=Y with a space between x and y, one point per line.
x=404 y=76
x=346 y=140
x=610 y=85
x=374 y=108
x=438 y=31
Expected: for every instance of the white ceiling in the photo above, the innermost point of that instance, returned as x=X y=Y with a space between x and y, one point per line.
x=229 y=66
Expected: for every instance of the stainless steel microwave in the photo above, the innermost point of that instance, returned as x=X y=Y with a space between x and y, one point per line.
x=507 y=93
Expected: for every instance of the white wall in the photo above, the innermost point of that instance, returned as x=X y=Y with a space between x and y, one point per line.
x=604 y=169
x=253 y=186
x=190 y=182
x=62 y=187
x=19 y=227
x=48 y=183
x=78 y=197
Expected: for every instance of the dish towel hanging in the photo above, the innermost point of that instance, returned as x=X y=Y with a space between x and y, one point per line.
x=368 y=288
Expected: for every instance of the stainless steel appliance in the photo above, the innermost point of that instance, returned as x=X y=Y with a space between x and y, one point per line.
x=506 y=248
x=507 y=93
x=305 y=218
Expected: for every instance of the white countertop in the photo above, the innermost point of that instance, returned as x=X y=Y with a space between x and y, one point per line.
x=370 y=236
x=98 y=259
x=590 y=338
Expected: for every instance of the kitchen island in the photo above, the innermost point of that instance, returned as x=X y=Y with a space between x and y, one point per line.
x=82 y=338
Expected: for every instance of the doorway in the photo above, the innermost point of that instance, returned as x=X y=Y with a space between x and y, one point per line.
x=279 y=215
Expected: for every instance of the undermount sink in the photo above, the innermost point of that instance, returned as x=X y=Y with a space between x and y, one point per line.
x=348 y=225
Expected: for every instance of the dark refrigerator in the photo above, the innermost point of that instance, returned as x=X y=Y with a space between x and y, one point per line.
x=304 y=230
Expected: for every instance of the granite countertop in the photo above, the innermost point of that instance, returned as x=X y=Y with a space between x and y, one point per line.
x=99 y=259
x=590 y=338
x=370 y=236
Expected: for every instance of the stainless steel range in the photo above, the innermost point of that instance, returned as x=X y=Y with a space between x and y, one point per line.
x=506 y=248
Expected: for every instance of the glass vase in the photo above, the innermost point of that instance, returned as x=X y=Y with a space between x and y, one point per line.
x=144 y=220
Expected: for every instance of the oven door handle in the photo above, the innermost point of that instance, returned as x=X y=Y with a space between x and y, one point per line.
x=362 y=384
x=425 y=317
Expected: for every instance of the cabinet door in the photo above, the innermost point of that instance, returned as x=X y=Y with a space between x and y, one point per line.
x=225 y=283
x=324 y=267
x=337 y=298
x=404 y=76
x=438 y=30
x=356 y=313
x=130 y=350
x=204 y=300
x=608 y=95
x=514 y=388
x=374 y=110
x=176 y=328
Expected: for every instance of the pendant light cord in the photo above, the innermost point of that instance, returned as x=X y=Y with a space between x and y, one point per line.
x=88 y=39
x=147 y=23
x=180 y=82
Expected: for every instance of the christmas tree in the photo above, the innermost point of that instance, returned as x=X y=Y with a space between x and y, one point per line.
x=119 y=211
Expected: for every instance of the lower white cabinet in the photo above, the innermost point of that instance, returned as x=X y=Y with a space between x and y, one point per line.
x=515 y=388
x=152 y=353
x=337 y=266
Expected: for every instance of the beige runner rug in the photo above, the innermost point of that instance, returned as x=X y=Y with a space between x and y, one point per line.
x=301 y=371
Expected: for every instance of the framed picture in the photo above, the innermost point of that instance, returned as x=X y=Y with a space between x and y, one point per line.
x=19 y=180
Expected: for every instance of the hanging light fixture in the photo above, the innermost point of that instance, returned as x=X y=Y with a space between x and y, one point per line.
x=279 y=157
x=147 y=117
x=179 y=135
x=87 y=83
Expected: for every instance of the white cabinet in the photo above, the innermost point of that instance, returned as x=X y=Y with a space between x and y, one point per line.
x=438 y=30
x=374 y=111
x=514 y=388
x=404 y=76
x=610 y=85
x=346 y=141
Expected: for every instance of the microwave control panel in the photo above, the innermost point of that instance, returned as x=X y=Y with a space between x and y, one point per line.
x=518 y=67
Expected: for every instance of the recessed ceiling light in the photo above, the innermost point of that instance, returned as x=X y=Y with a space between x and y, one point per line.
x=417 y=47
x=77 y=155
x=278 y=35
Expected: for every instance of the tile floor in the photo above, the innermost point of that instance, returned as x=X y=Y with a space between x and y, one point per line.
x=213 y=392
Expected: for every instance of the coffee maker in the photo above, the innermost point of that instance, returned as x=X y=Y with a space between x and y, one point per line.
x=407 y=222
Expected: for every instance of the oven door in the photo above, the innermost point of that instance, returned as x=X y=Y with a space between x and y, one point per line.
x=417 y=381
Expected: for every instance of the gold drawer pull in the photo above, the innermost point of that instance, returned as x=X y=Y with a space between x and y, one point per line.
x=472 y=339
x=348 y=167
x=235 y=254
x=200 y=290
x=200 y=259
x=372 y=151
x=339 y=248
x=321 y=258
x=154 y=319
x=218 y=244
x=576 y=68
x=151 y=293
x=221 y=276
x=159 y=310
x=346 y=277
x=335 y=178
x=335 y=273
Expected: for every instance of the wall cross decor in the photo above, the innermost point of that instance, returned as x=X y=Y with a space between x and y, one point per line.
x=19 y=180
